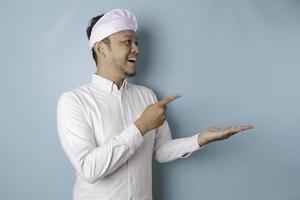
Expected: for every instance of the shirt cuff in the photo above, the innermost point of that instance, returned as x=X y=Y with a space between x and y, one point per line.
x=133 y=137
x=193 y=145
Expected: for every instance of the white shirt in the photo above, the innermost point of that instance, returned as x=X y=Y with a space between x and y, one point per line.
x=112 y=160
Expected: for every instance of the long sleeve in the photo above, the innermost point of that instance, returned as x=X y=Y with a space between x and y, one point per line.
x=167 y=149
x=92 y=162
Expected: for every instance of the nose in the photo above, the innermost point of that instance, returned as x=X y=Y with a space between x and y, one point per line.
x=135 y=49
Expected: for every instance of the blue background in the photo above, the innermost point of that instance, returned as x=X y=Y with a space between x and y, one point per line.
x=235 y=62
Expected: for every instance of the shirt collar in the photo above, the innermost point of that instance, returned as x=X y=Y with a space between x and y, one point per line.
x=108 y=85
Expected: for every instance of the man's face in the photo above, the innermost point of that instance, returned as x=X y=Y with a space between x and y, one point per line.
x=122 y=54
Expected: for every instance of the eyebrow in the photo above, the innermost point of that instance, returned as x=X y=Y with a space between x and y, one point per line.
x=130 y=36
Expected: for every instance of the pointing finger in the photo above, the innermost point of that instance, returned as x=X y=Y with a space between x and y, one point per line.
x=169 y=99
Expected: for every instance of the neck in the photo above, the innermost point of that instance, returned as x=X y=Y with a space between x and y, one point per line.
x=102 y=71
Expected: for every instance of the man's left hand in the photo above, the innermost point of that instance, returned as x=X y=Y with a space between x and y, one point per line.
x=215 y=133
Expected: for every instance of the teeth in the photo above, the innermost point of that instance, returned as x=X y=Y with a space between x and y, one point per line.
x=133 y=59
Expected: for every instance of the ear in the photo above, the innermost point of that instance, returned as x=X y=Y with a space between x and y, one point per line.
x=98 y=47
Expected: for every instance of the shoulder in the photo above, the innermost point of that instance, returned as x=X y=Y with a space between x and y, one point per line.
x=75 y=94
x=143 y=91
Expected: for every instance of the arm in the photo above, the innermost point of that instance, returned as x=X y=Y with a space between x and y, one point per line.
x=168 y=149
x=92 y=162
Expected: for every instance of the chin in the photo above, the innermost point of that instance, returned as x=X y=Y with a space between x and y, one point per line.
x=128 y=74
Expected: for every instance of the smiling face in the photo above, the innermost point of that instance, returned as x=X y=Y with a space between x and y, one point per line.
x=121 y=54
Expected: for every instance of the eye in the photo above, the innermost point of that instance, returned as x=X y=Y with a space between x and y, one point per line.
x=127 y=42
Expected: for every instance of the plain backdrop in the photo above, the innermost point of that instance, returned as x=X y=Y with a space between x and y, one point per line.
x=235 y=62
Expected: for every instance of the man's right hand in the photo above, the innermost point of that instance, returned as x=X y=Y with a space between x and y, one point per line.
x=154 y=115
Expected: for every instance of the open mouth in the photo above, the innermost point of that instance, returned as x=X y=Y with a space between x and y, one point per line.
x=132 y=60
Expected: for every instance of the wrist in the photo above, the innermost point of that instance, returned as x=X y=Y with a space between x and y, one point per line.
x=140 y=126
x=202 y=140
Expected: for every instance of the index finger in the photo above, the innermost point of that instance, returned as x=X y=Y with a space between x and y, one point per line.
x=237 y=129
x=169 y=99
x=245 y=127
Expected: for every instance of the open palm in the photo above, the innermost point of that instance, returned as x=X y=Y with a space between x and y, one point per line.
x=215 y=133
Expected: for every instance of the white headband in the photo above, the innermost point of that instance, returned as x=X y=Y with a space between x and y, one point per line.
x=113 y=21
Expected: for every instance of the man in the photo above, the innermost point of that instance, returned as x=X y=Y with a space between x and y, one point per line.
x=111 y=129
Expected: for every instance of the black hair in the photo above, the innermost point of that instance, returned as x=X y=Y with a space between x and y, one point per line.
x=92 y=23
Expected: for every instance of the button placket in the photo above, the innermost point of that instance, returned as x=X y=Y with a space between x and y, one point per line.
x=125 y=108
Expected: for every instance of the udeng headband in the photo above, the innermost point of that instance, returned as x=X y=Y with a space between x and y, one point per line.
x=112 y=22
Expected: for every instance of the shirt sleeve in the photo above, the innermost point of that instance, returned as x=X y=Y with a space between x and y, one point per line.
x=92 y=162
x=167 y=149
